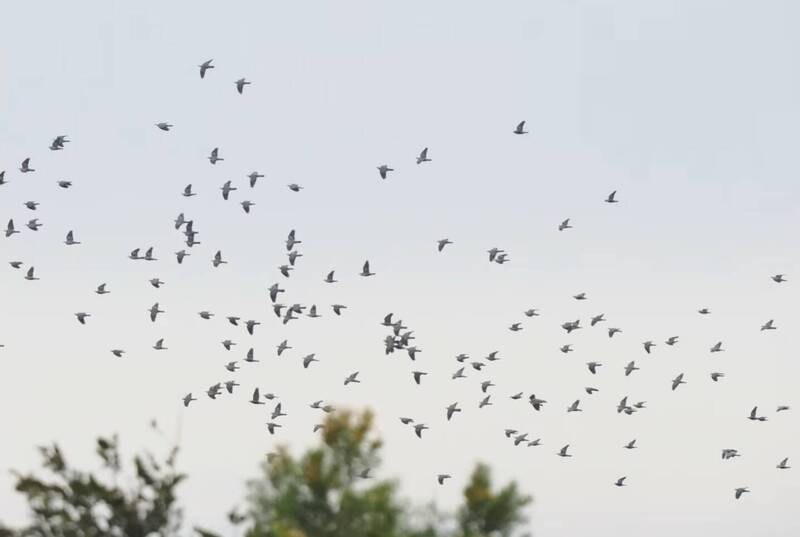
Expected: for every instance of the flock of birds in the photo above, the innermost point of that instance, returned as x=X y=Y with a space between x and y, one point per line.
x=399 y=337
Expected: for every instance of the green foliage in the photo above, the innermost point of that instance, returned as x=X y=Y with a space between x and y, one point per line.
x=73 y=503
x=326 y=492
x=486 y=513
x=321 y=494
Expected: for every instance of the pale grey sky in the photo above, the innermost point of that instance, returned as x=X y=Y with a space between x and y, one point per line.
x=687 y=108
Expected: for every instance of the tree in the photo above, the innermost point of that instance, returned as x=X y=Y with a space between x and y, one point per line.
x=74 y=503
x=486 y=513
x=324 y=493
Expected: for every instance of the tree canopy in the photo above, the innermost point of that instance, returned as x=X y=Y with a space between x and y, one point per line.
x=327 y=491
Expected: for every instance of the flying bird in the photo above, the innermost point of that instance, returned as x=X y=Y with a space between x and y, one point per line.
x=423 y=156
x=520 y=129
x=612 y=198
x=383 y=169
x=214 y=157
x=240 y=84
x=205 y=66
x=365 y=270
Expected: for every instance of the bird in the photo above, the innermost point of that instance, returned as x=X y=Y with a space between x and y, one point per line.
x=58 y=143
x=535 y=402
x=25 y=167
x=630 y=368
x=532 y=312
x=418 y=428
x=520 y=129
x=188 y=399
x=217 y=261
x=81 y=316
x=214 y=157
x=180 y=255
x=159 y=346
x=579 y=296
x=205 y=66
x=677 y=381
x=564 y=225
x=486 y=384
x=271 y=426
x=459 y=374
x=338 y=308
x=730 y=454
x=308 y=359
x=164 y=126
x=148 y=255
x=154 y=311
x=768 y=325
x=784 y=464
x=620 y=482
x=630 y=445
x=10 y=230
x=781 y=408
x=230 y=385
x=250 y=326
x=648 y=345
x=704 y=311
x=365 y=270
x=452 y=409
x=250 y=356
x=754 y=415
x=672 y=340
x=717 y=347
x=29 y=275
x=612 y=198
x=156 y=282
x=442 y=477
x=70 y=239
x=246 y=204
x=590 y=390
x=227 y=189
x=15 y=264
x=563 y=452
x=597 y=319
x=612 y=331
x=3 y=177
x=34 y=224
x=574 y=406
x=253 y=177
x=62 y=184
x=240 y=84
x=32 y=205
x=384 y=170
x=352 y=378
x=779 y=278
x=739 y=491
x=423 y=156
x=715 y=376
x=566 y=348
x=284 y=345
x=516 y=327
x=593 y=367
x=418 y=376
x=256 y=398
x=294 y=187
x=227 y=343
x=442 y=243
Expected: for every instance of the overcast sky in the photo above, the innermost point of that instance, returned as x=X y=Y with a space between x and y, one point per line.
x=687 y=108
